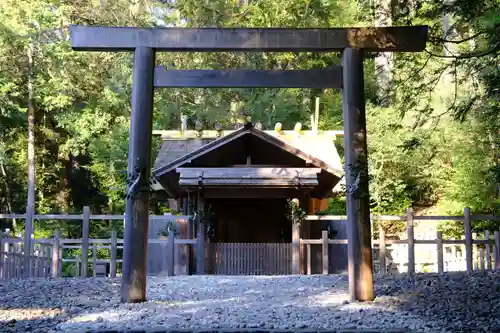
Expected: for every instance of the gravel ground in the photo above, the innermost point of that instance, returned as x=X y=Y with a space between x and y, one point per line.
x=428 y=303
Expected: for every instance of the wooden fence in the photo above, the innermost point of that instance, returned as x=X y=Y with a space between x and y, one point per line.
x=251 y=258
x=12 y=259
x=484 y=254
x=54 y=248
x=46 y=257
x=475 y=253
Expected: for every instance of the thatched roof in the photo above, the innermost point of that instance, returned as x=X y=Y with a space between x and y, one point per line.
x=319 y=146
x=174 y=149
x=211 y=149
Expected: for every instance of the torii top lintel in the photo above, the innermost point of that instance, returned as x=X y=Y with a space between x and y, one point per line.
x=379 y=39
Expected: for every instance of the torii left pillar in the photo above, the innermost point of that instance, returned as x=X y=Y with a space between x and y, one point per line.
x=133 y=288
x=359 y=248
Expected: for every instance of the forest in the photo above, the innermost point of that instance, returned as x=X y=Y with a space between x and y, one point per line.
x=433 y=117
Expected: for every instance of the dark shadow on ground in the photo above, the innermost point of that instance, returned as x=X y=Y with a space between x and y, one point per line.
x=457 y=301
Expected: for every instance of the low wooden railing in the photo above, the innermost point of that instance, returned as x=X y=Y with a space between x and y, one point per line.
x=484 y=256
x=57 y=244
x=46 y=256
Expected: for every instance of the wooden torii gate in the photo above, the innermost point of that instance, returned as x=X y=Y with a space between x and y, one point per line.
x=145 y=42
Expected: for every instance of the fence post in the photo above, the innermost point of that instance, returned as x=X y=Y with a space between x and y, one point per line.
x=7 y=259
x=114 y=248
x=35 y=267
x=497 y=249
x=308 y=247
x=164 y=256
x=381 y=246
x=439 y=245
x=475 y=255
x=13 y=260
x=2 y=257
x=411 y=241
x=94 y=260
x=55 y=254
x=61 y=256
x=295 y=248
x=85 y=241
x=200 y=249
x=488 y=250
x=324 y=248
x=45 y=261
x=481 y=265
x=18 y=267
x=468 y=240
x=77 y=266
x=28 y=242
x=170 y=255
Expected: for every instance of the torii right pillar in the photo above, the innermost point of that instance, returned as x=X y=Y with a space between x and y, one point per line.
x=356 y=175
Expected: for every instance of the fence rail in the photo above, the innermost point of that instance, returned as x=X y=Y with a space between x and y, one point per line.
x=90 y=217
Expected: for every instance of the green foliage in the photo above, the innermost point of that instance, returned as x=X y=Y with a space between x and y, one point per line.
x=294 y=213
x=336 y=206
x=398 y=163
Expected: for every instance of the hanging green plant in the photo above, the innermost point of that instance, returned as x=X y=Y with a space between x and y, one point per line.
x=294 y=213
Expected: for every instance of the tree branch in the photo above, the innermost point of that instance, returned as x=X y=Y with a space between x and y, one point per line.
x=444 y=40
x=467 y=55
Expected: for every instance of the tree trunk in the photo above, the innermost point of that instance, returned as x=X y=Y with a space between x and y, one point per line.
x=384 y=60
x=7 y=195
x=496 y=157
x=63 y=197
x=447 y=47
x=30 y=205
x=31 y=131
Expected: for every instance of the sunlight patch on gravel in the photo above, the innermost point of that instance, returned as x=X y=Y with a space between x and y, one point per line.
x=427 y=303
